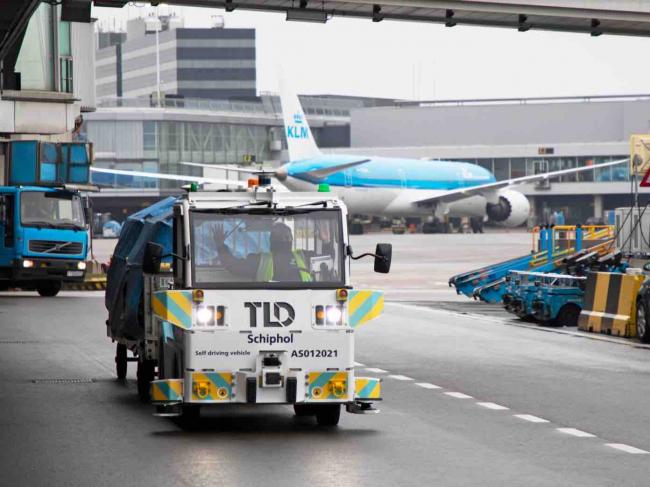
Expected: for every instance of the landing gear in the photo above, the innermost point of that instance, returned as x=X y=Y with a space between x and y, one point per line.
x=48 y=289
x=476 y=224
x=120 y=361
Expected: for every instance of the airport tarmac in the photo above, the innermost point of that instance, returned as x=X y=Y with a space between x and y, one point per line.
x=469 y=399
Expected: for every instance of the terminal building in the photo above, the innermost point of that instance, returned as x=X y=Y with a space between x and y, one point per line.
x=47 y=77
x=192 y=63
x=519 y=137
x=209 y=111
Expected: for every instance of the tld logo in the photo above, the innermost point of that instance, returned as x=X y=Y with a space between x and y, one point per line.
x=295 y=132
x=283 y=313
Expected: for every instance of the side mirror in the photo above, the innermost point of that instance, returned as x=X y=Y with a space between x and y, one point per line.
x=383 y=256
x=646 y=267
x=152 y=258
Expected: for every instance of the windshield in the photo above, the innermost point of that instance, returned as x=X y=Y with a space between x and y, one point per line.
x=51 y=209
x=302 y=249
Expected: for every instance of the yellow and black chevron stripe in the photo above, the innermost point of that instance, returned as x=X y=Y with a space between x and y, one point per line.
x=610 y=304
x=327 y=385
x=92 y=285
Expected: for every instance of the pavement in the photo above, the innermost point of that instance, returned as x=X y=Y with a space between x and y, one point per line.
x=470 y=397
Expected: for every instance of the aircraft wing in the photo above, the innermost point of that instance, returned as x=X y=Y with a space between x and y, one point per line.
x=483 y=189
x=172 y=177
x=227 y=168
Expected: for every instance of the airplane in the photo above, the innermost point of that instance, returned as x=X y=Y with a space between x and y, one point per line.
x=381 y=186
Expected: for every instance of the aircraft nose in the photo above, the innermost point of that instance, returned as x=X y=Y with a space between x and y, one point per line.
x=282 y=173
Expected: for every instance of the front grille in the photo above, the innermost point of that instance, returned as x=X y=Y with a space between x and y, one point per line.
x=55 y=247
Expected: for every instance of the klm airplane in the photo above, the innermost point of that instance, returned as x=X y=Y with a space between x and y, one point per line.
x=386 y=186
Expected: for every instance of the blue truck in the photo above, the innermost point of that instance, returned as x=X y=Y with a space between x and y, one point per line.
x=43 y=227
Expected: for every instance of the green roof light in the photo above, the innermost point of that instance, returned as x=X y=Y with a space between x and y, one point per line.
x=323 y=188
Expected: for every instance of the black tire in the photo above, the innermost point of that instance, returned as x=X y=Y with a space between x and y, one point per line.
x=304 y=409
x=191 y=412
x=145 y=374
x=48 y=289
x=120 y=361
x=642 y=321
x=568 y=315
x=328 y=414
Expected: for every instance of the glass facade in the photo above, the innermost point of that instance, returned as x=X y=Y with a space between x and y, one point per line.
x=35 y=61
x=44 y=60
x=515 y=167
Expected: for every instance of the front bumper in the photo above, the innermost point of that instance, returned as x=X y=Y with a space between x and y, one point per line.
x=65 y=270
x=227 y=387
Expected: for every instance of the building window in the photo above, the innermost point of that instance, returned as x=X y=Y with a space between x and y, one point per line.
x=65 y=68
x=149 y=136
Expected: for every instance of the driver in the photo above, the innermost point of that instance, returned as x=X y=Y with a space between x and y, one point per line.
x=282 y=263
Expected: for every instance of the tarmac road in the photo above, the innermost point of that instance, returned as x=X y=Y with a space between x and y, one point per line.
x=467 y=401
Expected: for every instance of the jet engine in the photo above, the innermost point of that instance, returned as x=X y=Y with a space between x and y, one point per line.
x=512 y=209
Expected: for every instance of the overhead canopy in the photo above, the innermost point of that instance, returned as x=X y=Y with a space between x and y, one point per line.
x=602 y=17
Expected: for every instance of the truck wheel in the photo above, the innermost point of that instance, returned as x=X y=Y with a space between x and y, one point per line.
x=642 y=328
x=145 y=375
x=48 y=289
x=120 y=361
x=304 y=409
x=328 y=414
x=568 y=315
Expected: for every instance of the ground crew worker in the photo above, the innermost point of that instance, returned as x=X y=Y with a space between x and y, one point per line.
x=282 y=263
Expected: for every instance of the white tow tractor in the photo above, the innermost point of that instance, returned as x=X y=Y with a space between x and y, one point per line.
x=254 y=305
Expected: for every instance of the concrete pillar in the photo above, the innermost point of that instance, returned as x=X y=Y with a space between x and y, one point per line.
x=598 y=205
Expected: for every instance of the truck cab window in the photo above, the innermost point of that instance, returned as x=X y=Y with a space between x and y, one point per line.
x=302 y=249
x=51 y=209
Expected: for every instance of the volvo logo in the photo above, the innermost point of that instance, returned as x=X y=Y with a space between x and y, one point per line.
x=283 y=313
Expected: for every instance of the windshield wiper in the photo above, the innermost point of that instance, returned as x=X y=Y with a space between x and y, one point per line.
x=70 y=225
x=39 y=224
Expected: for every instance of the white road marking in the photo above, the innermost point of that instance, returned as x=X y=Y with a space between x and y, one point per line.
x=627 y=448
x=458 y=395
x=531 y=418
x=376 y=371
x=357 y=364
x=575 y=432
x=400 y=377
x=426 y=385
x=491 y=405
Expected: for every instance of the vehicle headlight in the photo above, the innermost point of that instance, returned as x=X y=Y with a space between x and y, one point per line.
x=205 y=315
x=28 y=264
x=81 y=265
x=333 y=314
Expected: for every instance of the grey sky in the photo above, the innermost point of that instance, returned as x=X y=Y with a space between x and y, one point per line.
x=425 y=61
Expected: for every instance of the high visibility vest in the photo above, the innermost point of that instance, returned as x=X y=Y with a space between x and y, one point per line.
x=265 y=267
